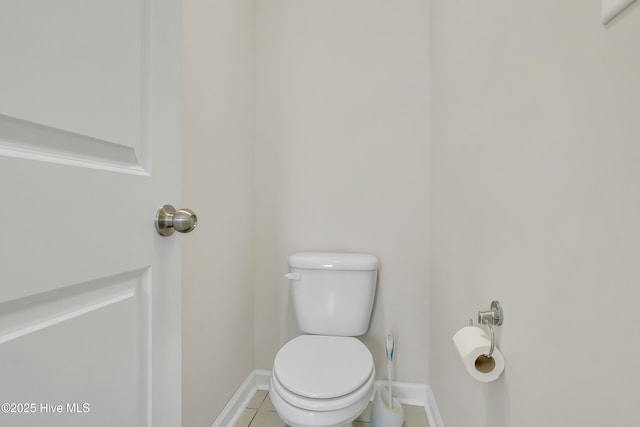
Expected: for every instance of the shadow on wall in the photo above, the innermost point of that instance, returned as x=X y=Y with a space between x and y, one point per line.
x=379 y=326
x=497 y=396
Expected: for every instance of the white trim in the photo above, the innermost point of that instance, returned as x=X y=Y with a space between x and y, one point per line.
x=406 y=393
x=260 y=379
x=612 y=8
x=431 y=408
x=239 y=401
x=263 y=379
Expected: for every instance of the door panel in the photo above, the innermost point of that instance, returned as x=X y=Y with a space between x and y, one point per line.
x=89 y=149
x=97 y=333
x=76 y=66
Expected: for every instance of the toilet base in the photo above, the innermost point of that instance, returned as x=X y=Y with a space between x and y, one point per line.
x=297 y=417
x=341 y=425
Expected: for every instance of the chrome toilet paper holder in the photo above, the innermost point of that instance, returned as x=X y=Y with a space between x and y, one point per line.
x=491 y=318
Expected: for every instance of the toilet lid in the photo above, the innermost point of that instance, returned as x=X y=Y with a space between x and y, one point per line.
x=323 y=367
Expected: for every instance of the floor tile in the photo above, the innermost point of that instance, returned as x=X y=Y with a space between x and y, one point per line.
x=246 y=418
x=267 y=405
x=365 y=417
x=257 y=399
x=265 y=415
x=414 y=416
x=267 y=419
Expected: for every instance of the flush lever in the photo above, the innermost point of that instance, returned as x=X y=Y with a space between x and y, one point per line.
x=292 y=276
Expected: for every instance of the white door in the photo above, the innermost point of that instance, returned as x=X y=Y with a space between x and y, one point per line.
x=89 y=149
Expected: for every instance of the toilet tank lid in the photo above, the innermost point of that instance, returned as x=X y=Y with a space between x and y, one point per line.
x=333 y=261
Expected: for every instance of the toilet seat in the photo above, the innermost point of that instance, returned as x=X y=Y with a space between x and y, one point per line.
x=323 y=405
x=323 y=373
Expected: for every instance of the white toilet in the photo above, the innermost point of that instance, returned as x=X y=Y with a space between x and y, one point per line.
x=326 y=378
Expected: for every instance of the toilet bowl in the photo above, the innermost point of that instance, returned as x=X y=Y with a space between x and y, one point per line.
x=322 y=381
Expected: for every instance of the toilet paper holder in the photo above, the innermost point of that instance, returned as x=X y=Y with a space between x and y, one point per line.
x=491 y=318
x=495 y=316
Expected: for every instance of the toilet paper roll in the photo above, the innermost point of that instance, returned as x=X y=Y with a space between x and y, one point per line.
x=473 y=344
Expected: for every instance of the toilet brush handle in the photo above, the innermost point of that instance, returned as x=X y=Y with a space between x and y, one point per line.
x=390 y=348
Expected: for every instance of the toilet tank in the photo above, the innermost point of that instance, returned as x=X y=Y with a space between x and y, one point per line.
x=333 y=292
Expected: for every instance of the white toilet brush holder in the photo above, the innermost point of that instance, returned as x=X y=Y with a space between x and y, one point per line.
x=383 y=414
x=387 y=411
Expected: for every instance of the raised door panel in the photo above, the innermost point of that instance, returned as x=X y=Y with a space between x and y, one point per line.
x=75 y=79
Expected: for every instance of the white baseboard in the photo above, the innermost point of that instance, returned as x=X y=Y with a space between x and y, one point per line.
x=417 y=395
x=406 y=393
x=431 y=408
x=239 y=401
x=263 y=379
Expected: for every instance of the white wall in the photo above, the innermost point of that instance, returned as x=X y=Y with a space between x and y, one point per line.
x=342 y=160
x=536 y=202
x=218 y=141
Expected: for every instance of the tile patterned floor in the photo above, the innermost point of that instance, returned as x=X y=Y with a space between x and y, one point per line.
x=261 y=413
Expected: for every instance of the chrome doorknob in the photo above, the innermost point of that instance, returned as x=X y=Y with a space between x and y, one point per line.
x=168 y=220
